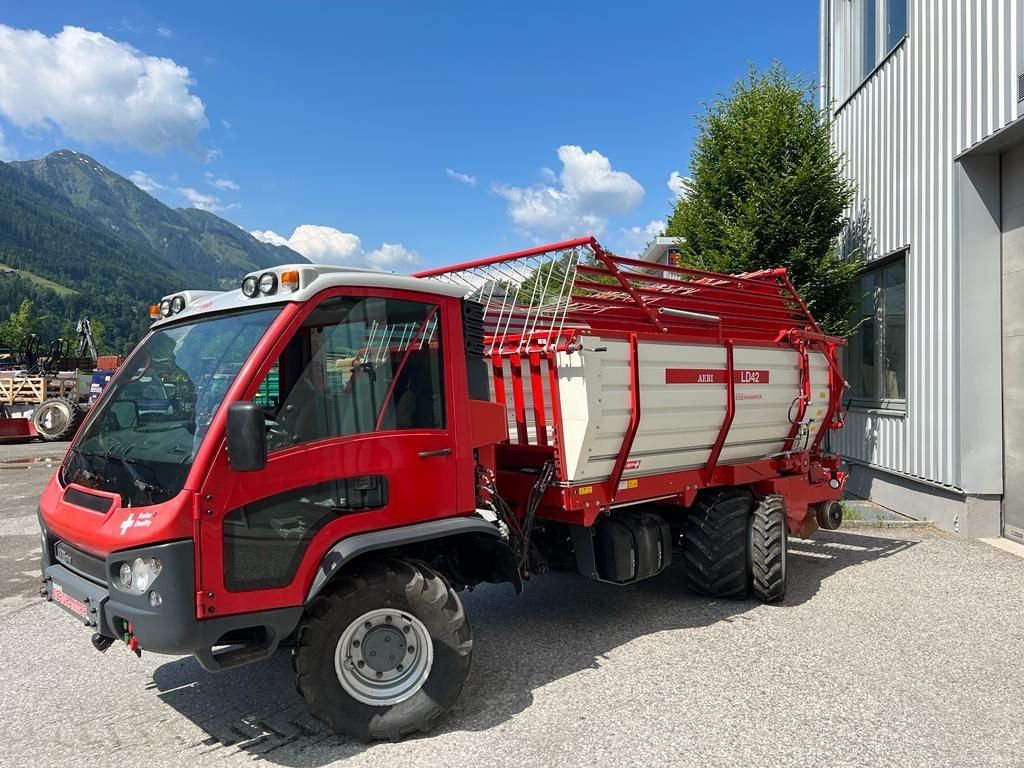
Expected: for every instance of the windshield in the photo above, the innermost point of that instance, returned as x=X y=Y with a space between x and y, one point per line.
x=142 y=438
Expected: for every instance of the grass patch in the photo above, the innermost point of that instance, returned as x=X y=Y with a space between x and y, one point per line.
x=849 y=513
x=42 y=282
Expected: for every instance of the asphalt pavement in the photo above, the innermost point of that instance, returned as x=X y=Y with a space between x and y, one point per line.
x=897 y=647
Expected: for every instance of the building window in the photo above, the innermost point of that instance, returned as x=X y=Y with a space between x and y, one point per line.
x=876 y=361
x=873 y=29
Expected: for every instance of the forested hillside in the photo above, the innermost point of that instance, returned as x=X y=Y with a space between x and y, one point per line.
x=78 y=239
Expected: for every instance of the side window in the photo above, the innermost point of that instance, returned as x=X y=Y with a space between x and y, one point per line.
x=358 y=365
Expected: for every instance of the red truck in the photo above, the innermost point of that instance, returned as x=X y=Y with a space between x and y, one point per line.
x=346 y=450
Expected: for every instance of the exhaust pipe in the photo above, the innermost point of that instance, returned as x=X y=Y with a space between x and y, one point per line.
x=830 y=515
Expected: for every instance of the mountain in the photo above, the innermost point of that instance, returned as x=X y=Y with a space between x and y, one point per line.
x=184 y=237
x=77 y=238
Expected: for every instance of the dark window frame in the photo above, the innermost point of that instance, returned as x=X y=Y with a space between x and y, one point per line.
x=883 y=50
x=881 y=330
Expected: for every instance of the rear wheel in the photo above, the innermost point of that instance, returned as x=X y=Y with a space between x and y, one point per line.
x=385 y=652
x=715 y=540
x=769 y=539
x=57 y=419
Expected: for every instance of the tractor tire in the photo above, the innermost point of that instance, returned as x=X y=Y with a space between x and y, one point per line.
x=57 y=419
x=346 y=647
x=769 y=540
x=715 y=541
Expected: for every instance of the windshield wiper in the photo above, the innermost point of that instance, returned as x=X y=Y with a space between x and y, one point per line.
x=81 y=468
x=133 y=473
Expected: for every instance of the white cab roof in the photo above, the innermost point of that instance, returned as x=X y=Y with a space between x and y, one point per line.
x=313 y=278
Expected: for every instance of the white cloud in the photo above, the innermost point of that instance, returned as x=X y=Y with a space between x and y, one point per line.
x=203 y=201
x=6 y=150
x=165 y=31
x=634 y=239
x=586 y=193
x=96 y=89
x=679 y=185
x=392 y=256
x=327 y=245
x=465 y=178
x=144 y=181
x=269 y=236
x=225 y=184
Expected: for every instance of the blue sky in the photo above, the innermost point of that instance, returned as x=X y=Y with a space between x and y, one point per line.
x=393 y=134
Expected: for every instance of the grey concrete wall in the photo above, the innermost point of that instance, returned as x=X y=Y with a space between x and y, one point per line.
x=979 y=270
x=969 y=515
x=1013 y=340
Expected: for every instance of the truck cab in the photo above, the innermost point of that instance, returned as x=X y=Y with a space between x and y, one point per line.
x=160 y=530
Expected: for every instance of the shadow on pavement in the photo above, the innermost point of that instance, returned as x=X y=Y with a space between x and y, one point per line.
x=519 y=646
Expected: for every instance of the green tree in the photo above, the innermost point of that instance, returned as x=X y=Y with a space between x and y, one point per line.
x=767 y=190
x=21 y=323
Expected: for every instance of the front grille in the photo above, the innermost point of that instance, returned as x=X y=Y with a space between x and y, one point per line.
x=82 y=563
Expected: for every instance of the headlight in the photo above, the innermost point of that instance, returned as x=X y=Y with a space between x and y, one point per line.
x=250 y=286
x=165 y=307
x=177 y=304
x=144 y=573
x=138 y=575
x=268 y=282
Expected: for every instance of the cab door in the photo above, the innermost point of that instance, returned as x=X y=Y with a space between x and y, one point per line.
x=360 y=437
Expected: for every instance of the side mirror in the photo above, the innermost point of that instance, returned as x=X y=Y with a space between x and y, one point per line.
x=247 y=437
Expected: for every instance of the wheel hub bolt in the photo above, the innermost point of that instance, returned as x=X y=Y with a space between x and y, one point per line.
x=368 y=625
x=398 y=668
x=380 y=674
x=355 y=643
x=387 y=619
x=406 y=630
x=361 y=664
x=411 y=649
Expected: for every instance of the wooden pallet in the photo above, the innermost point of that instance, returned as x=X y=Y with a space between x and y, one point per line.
x=21 y=390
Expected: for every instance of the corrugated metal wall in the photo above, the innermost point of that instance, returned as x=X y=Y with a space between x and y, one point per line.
x=948 y=85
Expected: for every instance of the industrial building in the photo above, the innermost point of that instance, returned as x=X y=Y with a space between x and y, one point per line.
x=927 y=102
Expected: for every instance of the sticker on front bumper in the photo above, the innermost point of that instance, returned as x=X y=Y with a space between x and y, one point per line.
x=72 y=604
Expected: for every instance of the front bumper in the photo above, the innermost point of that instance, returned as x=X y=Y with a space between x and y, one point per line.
x=83 y=586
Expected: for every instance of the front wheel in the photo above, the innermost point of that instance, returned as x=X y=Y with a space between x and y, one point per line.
x=385 y=652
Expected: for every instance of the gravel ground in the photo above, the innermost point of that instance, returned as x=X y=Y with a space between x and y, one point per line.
x=894 y=647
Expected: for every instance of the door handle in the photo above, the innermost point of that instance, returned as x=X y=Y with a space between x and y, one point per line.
x=438 y=452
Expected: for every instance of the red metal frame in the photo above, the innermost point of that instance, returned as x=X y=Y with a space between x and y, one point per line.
x=730 y=412
x=662 y=302
x=634 y=417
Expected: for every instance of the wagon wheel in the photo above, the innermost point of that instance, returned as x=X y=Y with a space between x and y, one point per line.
x=57 y=419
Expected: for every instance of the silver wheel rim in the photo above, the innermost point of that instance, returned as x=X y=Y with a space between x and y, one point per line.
x=52 y=418
x=383 y=657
